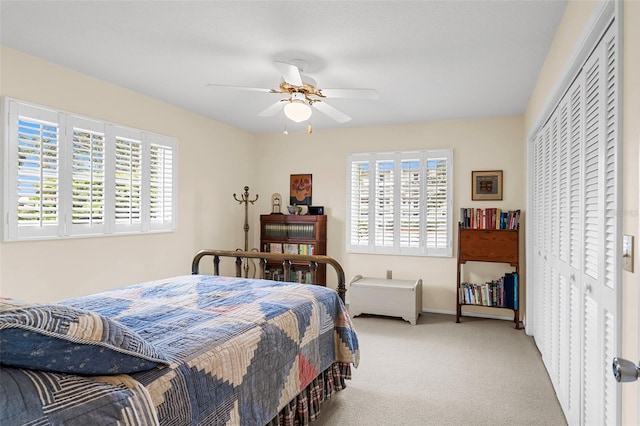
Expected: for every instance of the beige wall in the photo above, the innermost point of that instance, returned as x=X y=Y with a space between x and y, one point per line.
x=574 y=23
x=210 y=170
x=485 y=144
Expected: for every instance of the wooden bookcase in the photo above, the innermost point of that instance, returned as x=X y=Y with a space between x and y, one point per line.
x=297 y=234
x=487 y=245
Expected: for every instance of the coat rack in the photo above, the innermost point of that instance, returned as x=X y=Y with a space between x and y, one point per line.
x=244 y=199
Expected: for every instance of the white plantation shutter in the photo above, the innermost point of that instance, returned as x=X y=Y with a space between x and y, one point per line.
x=437 y=184
x=410 y=197
x=360 y=184
x=128 y=183
x=88 y=159
x=384 y=224
x=400 y=203
x=68 y=175
x=37 y=186
x=33 y=189
x=162 y=186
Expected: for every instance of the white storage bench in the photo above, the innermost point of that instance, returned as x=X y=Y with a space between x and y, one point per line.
x=395 y=298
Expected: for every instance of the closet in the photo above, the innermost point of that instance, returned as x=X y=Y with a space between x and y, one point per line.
x=575 y=233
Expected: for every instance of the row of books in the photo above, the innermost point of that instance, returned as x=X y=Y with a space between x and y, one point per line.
x=491 y=218
x=296 y=276
x=292 y=230
x=288 y=248
x=502 y=293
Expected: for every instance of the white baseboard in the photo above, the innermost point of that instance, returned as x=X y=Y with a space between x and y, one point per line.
x=470 y=314
x=466 y=314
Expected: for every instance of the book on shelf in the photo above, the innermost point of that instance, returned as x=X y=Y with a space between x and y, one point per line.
x=275 y=247
x=511 y=290
x=300 y=276
x=489 y=218
x=500 y=293
x=288 y=248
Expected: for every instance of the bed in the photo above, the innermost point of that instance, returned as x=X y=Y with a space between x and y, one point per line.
x=187 y=350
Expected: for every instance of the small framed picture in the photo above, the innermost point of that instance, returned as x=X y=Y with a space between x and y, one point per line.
x=300 y=190
x=486 y=185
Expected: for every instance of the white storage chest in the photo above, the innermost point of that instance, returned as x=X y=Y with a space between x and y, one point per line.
x=395 y=298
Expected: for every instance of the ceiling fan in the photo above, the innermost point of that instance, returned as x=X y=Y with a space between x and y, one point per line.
x=302 y=94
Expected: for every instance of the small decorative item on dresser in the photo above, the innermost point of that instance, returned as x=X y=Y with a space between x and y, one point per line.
x=276 y=203
x=298 y=209
x=486 y=185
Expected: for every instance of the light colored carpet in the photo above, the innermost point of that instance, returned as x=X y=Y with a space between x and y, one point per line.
x=478 y=372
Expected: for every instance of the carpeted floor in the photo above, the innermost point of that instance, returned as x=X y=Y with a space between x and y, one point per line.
x=478 y=372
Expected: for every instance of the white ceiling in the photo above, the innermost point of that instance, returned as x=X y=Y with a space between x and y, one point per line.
x=429 y=60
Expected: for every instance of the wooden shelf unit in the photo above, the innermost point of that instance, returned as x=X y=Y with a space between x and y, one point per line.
x=488 y=245
x=306 y=231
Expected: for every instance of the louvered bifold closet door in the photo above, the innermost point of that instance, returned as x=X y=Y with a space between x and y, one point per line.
x=601 y=231
x=612 y=224
x=592 y=236
x=573 y=359
x=538 y=238
x=575 y=239
x=546 y=244
x=553 y=278
x=562 y=334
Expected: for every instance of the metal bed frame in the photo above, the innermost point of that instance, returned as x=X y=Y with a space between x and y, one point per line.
x=286 y=259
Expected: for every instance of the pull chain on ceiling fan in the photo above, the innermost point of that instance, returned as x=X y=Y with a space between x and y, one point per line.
x=303 y=94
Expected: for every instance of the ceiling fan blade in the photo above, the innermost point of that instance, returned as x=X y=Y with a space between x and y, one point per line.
x=369 y=94
x=272 y=110
x=332 y=112
x=290 y=73
x=248 y=89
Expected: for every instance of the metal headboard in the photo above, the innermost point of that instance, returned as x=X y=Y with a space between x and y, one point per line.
x=286 y=259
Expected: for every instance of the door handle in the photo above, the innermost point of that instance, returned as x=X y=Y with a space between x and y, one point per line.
x=625 y=370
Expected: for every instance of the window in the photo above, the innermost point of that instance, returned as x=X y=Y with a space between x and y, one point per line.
x=66 y=175
x=400 y=203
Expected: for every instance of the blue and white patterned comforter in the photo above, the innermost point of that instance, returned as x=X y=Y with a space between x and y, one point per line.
x=239 y=350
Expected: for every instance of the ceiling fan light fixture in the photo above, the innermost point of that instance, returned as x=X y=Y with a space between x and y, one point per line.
x=297 y=110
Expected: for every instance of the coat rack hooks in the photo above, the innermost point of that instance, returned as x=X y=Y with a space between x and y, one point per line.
x=244 y=199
